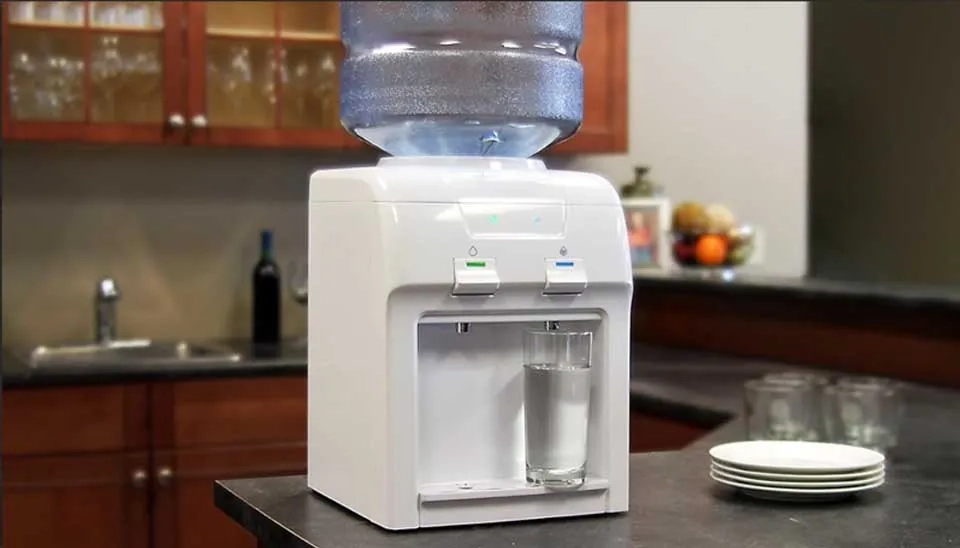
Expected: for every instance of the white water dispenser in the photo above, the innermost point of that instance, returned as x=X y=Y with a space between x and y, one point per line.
x=468 y=341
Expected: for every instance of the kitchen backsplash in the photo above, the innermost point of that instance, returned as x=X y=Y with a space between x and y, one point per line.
x=176 y=227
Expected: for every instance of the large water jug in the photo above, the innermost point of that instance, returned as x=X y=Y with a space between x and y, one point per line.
x=462 y=78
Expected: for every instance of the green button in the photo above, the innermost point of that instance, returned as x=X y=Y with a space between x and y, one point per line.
x=476 y=264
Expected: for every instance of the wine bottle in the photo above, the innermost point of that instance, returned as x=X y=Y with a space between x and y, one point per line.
x=266 y=294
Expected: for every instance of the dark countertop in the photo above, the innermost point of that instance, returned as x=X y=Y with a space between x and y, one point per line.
x=288 y=358
x=672 y=501
x=920 y=297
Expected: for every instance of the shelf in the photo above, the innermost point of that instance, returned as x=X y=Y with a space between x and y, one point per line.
x=286 y=36
x=119 y=29
x=128 y=29
x=45 y=25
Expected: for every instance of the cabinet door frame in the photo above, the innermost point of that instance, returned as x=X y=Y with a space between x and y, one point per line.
x=196 y=66
x=108 y=133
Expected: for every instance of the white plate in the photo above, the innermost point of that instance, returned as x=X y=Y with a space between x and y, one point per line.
x=796 y=456
x=796 y=484
x=747 y=473
x=782 y=493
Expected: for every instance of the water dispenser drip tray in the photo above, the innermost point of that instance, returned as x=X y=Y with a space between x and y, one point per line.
x=503 y=488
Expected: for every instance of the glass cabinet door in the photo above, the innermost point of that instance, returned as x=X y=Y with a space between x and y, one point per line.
x=265 y=72
x=76 y=68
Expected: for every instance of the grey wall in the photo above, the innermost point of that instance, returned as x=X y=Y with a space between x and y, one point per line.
x=718 y=110
x=885 y=141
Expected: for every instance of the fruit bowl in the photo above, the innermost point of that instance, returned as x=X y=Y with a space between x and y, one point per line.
x=712 y=251
x=707 y=239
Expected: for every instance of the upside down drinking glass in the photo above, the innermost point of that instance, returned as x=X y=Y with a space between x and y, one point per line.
x=780 y=410
x=864 y=411
x=818 y=383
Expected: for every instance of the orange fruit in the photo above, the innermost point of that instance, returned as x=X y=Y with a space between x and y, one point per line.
x=711 y=250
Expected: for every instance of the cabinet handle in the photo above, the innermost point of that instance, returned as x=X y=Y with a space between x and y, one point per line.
x=199 y=121
x=138 y=478
x=164 y=476
x=176 y=120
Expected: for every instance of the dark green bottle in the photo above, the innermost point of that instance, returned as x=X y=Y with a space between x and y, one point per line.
x=266 y=294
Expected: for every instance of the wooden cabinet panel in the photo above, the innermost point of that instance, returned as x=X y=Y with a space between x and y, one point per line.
x=230 y=412
x=81 y=502
x=603 y=55
x=652 y=433
x=74 y=420
x=184 y=513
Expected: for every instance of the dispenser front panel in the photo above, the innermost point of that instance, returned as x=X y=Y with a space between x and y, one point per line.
x=470 y=400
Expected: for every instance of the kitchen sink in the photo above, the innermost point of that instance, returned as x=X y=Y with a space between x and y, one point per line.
x=132 y=352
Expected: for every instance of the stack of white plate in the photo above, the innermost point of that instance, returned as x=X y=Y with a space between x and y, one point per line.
x=796 y=470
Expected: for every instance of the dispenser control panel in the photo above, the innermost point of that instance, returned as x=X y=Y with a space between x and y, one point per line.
x=475 y=276
x=564 y=276
x=492 y=221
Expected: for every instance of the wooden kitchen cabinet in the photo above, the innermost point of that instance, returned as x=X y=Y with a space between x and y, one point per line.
x=102 y=72
x=604 y=59
x=260 y=74
x=131 y=466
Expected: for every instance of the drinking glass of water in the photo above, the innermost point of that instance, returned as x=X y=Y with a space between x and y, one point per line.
x=556 y=399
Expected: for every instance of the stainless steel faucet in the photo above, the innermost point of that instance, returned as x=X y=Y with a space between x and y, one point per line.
x=105 y=310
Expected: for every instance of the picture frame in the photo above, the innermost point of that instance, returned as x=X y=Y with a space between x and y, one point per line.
x=648 y=224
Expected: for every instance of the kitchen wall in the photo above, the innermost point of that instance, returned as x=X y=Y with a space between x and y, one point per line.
x=885 y=164
x=718 y=109
x=176 y=227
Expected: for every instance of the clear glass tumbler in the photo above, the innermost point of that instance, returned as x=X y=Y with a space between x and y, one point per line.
x=556 y=385
x=818 y=383
x=780 y=410
x=864 y=411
